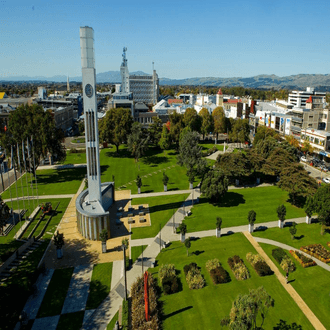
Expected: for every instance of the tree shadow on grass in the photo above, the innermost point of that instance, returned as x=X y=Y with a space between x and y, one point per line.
x=154 y=160
x=231 y=199
x=61 y=175
x=163 y=207
x=97 y=293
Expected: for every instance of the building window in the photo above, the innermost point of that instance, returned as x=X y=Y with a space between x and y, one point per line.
x=317 y=141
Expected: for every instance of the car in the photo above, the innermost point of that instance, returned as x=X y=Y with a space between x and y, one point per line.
x=303 y=159
x=323 y=168
x=326 y=180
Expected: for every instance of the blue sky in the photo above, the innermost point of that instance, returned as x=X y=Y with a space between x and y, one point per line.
x=184 y=38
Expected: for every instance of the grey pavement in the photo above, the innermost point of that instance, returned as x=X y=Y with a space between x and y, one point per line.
x=78 y=289
x=34 y=302
x=117 y=272
x=59 y=166
x=40 y=197
x=287 y=247
x=162 y=193
x=49 y=323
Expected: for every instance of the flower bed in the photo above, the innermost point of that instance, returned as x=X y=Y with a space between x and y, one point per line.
x=283 y=259
x=138 y=312
x=194 y=277
x=259 y=264
x=217 y=272
x=318 y=251
x=238 y=267
x=168 y=278
x=302 y=259
x=328 y=244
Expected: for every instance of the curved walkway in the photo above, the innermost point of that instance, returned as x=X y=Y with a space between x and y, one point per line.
x=287 y=247
x=288 y=287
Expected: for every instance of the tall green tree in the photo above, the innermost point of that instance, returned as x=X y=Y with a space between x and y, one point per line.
x=264 y=132
x=32 y=121
x=192 y=120
x=4 y=214
x=176 y=125
x=248 y=309
x=155 y=131
x=137 y=141
x=219 y=121
x=165 y=139
x=116 y=126
x=322 y=204
x=215 y=185
x=240 y=131
x=207 y=122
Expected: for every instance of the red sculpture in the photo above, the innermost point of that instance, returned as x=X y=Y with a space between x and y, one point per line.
x=146 y=296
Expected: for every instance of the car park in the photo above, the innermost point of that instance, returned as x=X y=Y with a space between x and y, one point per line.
x=303 y=159
x=326 y=180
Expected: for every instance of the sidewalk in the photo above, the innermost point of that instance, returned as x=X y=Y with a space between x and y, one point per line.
x=288 y=287
x=39 y=197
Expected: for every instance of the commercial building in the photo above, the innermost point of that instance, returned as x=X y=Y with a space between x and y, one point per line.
x=299 y=98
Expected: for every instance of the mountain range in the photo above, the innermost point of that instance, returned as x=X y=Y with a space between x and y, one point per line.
x=320 y=82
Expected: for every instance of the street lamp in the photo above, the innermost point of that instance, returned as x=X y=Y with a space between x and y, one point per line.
x=125 y=279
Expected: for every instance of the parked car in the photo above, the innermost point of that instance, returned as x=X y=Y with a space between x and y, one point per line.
x=326 y=180
x=303 y=159
x=323 y=168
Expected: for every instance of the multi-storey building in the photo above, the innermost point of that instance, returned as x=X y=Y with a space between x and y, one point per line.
x=299 y=98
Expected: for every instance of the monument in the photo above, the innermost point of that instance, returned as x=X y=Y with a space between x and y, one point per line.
x=93 y=203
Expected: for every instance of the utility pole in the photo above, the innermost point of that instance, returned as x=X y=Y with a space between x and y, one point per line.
x=160 y=238
x=142 y=258
x=174 y=221
x=125 y=279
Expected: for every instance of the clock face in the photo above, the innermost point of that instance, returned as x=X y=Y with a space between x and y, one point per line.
x=89 y=90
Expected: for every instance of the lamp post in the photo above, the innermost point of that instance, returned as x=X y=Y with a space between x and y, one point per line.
x=125 y=279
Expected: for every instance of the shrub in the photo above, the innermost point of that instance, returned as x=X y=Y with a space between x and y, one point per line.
x=259 y=264
x=219 y=275
x=195 y=279
x=187 y=268
x=170 y=284
x=166 y=270
x=239 y=269
x=288 y=265
x=212 y=264
x=278 y=254
x=125 y=315
x=302 y=259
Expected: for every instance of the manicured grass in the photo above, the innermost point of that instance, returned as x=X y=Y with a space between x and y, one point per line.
x=78 y=140
x=112 y=323
x=161 y=209
x=136 y=251
x=207 y=146
x=50 y=182
x=306 y=235
x=71 y=321
x=204 y=308
x=75 y=158
x=235 y=206
x=125 y=170
x=100 y=285
x=56 y=293
x=312 y=284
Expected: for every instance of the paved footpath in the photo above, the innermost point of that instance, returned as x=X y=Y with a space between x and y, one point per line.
x=39 y=197
x=288 y=287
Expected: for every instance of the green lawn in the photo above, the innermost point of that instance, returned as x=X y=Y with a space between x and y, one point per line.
x=71 y=321
x=100 y=285
x=78 y=140
x=207 y=146
x=235 y=206
x=161 y=210
x=136 y=251
x=56 y=293
x=49 y=182
x=204 y=308
x=306 y=235
x=312 y=284
x=75 y=158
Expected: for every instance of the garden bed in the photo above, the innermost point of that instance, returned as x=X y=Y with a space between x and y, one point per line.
x=217 y=273
x=238 y=267
x=302 y=259
x=318 y=251
x=168 y=278
x=194 y=277
x=284 y=260
x=259 y=264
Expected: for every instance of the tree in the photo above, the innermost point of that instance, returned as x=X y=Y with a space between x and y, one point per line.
x=281 y=212
x=321 y=202
x=219 y=121
x=293 y=230
x=58 y=240
x=155 y=131
x=218 y=223
x=81 y=127
x=190 y=155
x=295 y=180
x=165 y=179
x=309 y=206
x=215 y=185
x=137 y=141
x=282 y=325
x=207 y=122
x=264 y=132
x=176 y=125
x=246 y=309
x=240 y=131
x=252 y=217
x=4 y=214
x=116 y=126
x=266 y=146
x=32 y=121
x=292 y=141
x=104 y=235
x=125 y=242
x=307 y=148
x=165 y=139
x=187 y=244
x=192 y=120
x=182 y=228
x=138 y=181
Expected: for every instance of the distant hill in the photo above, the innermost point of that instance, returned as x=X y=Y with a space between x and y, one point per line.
x=320 y=82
